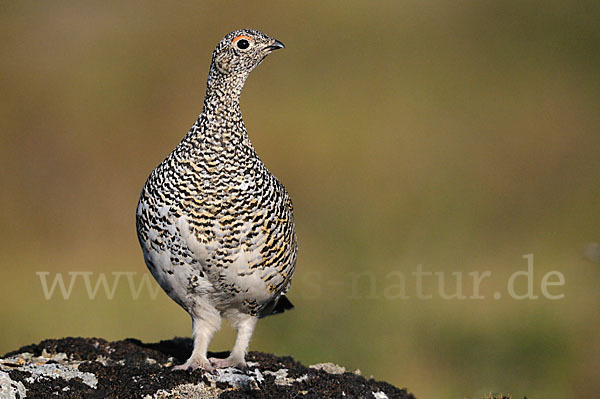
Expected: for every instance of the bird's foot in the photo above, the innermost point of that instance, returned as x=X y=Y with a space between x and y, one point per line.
x=193 y=364
x=228 y=362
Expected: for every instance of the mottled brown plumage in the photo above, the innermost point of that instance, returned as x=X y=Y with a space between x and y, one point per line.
x=216 y=227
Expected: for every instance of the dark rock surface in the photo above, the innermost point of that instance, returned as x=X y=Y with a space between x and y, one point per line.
x=95 y=368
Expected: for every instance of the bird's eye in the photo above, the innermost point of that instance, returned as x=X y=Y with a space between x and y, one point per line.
x=243 y=44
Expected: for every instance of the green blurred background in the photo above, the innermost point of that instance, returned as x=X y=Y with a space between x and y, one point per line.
x=456 y=135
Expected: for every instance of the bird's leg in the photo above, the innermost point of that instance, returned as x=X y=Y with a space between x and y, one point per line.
x=204 y=325
x=244 y=324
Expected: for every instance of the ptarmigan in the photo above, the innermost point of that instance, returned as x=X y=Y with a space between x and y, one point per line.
x=216 y=227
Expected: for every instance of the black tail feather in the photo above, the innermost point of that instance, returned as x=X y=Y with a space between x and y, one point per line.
x=277 y=306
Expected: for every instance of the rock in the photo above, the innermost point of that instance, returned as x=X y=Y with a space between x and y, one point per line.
x=329 y=367
x=96 y=368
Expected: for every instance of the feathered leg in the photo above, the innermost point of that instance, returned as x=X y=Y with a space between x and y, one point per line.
x=206 y=320
x=244 y=324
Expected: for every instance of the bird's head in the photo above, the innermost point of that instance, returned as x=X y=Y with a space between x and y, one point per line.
x=241 y=51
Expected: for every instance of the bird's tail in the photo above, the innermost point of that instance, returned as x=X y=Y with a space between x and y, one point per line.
x=277 y=306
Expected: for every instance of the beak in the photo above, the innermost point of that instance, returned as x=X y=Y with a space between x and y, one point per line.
x=276 y=45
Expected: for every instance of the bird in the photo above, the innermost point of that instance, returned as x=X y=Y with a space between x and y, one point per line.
x=216 y=227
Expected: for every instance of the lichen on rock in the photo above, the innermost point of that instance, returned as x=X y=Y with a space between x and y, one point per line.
x=95 y=368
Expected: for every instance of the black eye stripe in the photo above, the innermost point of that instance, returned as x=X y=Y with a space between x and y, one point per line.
x=243 y=44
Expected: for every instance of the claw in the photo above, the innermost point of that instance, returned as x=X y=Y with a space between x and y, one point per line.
x=195 y=364
x=228 y=362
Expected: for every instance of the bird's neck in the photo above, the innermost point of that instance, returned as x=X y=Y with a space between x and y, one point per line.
x=220 y=126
